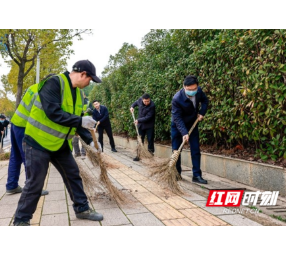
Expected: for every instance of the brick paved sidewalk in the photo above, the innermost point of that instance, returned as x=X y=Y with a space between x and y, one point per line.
x=149 y=205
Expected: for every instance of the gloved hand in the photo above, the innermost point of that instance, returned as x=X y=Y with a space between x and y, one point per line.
x=99 y=146
x=87 y=122
x=89 y=111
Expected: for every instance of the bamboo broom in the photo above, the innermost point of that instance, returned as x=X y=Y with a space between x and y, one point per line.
x=141 y=151
x=96 y=159
x=166 y=172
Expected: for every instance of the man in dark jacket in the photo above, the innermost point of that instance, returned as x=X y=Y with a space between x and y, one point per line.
x=100 y=114
x=2 y=130
x=146 y=119
x=185 y=110
x=6 y=123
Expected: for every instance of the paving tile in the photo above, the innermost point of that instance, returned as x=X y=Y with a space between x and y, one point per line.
x=53 y=207
x=238 y=220
x=147 y=198
x=191 y=196
x=144 y=219
x=41 y=202
x=55 y=187
x=127 y=171
x=10 y=199
x=136 y=188
x=103 y=203
x=55 y=180
x=56 y=195
x=137 y=177
x=5 y=222
x=179 y=203
x=125 y=181
x=202 y=218
x=164 y=211
x=133 y=208
x=115 y=173
x=71 y=213
x=113 y=217
x=84 y=222
x=55 y=220
x=179 y=222
x=36 y=216
x=7 y=211
x=212 y=210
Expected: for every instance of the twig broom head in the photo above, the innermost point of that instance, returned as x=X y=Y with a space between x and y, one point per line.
x=142 y=152
x=96 y=159
x=166 y=173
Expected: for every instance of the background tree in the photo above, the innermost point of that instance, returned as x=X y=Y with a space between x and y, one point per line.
x=23 y=47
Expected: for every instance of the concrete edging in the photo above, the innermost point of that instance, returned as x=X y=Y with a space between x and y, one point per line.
x=261 y=176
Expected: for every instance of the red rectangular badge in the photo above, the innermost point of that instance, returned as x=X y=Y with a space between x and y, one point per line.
x=225 y=198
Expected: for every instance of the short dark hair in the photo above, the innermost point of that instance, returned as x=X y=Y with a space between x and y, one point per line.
x=190 y=80
x=95 y=101
x=146 y=96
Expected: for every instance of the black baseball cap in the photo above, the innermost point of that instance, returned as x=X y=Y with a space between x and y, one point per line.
x=88 y=67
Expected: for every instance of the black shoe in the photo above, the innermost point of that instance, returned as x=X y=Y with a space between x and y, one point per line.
x=114 y=150
x=200 y=180
x=16 y=190
x=136 y=159
x=89 y=214
x=22 y=223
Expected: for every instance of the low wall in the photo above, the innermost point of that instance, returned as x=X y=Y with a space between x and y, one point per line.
x=262 y=176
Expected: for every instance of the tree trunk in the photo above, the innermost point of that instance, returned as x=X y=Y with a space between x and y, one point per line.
x=20 y=84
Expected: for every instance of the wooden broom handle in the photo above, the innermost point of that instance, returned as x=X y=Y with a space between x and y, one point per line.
x=190 y=131
x=94 y=138
x=134 y=123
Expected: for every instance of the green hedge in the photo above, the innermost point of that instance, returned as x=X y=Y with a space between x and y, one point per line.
x=243 y=73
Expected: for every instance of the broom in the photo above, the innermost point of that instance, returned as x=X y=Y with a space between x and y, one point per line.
x=167 y=172
x=141 y=151
x=96 y=159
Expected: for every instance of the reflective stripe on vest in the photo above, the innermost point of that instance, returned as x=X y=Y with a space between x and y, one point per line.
x=22 y=113
x=45 y=132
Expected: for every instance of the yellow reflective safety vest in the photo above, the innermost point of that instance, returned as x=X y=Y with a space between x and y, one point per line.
x=22 y=113
x=45 y=132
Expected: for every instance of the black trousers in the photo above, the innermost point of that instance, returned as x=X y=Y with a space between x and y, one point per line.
x=150 y=137
x=37 y=164
x=108 y=131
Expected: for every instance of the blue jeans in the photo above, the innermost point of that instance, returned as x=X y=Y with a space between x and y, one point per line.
x=17 y=156
x=37 y=164
x=194 y=142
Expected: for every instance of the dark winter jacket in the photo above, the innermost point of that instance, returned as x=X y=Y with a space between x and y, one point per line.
x=146 y=116
x=184 y=113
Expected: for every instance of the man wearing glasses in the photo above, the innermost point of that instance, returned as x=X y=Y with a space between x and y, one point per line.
x=185 y=110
